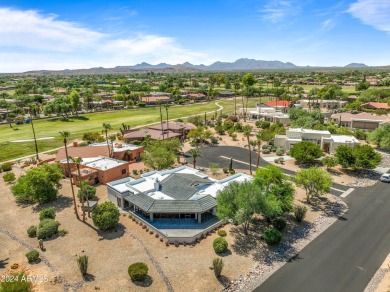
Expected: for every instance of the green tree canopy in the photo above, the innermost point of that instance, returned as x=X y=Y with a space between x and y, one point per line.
x=105 y=216
x=305 y=152
x=381 y=137
x=358 y=157
x=38 y=185
x=161 y=154
x=315 y=181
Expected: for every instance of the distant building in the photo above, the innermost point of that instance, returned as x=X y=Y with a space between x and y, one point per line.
x=324 y=139
x=376 y=105
x=155 y=98
x=322 y=103
x=362 y=121
x=267 y=114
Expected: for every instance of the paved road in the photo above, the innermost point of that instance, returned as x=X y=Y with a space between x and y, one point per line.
x=346 y=256
x=221 y=155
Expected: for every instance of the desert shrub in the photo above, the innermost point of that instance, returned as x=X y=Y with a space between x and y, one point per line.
x=265 y=125
x=279 y=151
x=329 y=161
x=279 y=224
x=220 y=244
x=47 y=213
x=138 y=271
x=135 y=172
x=272 y=236
x=9 y=177
x=225 y=170
x=32 y=256
x=141 y=104
x=6 y=166
x=217 y=266
x=32 y=231
x=258 y=124
x=266 y=151
x=238 y=127
x=93 y=137
x=63 y=232
x=105 y=216
x=82 y=262
x=300 y=213
x=20 y=284
x=264 y=146
x=234 y=136
x=47 y=228
x=222 y=233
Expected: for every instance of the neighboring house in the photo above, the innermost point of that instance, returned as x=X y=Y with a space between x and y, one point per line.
x=282 y=105
x=267 y=114
x=376 y=105
x=324 y=139
x=176 y=127
x=97 y=170
x=154 y=99
x=321 y=103
x=121 y=151
x=179 y=193
x=363 y=121
x=226 y=93
x=140 y=134
x=196 y=96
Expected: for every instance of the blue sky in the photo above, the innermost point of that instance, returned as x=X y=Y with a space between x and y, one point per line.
x=82 y=34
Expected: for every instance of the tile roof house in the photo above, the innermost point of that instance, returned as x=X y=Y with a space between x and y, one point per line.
x=181 y=193
x=277 y=103
x=154 y=99
x=140 y=134
x=324 y=139
x=376 y=105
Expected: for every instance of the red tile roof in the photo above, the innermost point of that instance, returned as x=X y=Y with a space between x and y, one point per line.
x=376 y=105
x=279 y=103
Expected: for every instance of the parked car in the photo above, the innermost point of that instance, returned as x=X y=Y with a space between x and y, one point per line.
x=385 y=177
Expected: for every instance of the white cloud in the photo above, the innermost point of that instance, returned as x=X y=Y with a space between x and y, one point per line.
x=277 y=10
x=327 y=24
x=375 y=13
x=30 y=40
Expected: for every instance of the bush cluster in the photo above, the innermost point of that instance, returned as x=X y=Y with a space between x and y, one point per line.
x=105 y=216
x=222 y=233
x=9 y=177
x=47 y=213
x=32 y=231
x=18 y=285
x=138 y=271
x=47 y=228
x=32 y=256
x=279 y=224
x=220 y=245
x=300 y=212
x=6 y=167
x=272 y=236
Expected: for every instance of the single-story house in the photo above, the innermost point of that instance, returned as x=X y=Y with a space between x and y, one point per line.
x=376 y=105
x=363 y=121
x=140 y=134
x=226 y=93
x=179 y=193
x=97 y=170
x=155 y=98
x=267 y=114
x=324 y=139
x=278 y=104
x=121 y=151
x=176 y=127
x=322 y=103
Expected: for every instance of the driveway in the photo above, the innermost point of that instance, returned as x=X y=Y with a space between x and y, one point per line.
x=222 y=154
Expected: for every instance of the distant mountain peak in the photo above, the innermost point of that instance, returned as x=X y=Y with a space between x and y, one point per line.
x=356 y=65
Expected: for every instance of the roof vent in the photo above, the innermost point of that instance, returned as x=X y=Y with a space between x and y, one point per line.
x=156 y=185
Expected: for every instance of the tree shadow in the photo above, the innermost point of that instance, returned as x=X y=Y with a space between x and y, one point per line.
x=245 y=244
x=329 y=209
x=145 y=283
x=3 y=263
x=118 y=232
x=224 y=280
x=58 y=204
x=88 y=277
x=81 y=118
x=226 y=253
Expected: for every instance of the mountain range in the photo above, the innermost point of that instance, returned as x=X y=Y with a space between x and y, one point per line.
x=243 y=64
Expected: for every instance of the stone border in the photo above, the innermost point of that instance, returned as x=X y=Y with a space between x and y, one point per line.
x=376 y=280
x=260 y=272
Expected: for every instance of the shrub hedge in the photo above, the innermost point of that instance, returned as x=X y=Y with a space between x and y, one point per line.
x=220 y=245
x=47 y=228
x=272 y=236
x=138 y=271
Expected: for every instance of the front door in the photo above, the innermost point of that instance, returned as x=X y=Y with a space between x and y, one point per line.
x=326 y=147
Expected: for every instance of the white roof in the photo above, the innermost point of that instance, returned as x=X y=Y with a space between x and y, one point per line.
x=146 y=183
x=344 y=139
x=103 y=163
x=301 y=130
x=124 y=146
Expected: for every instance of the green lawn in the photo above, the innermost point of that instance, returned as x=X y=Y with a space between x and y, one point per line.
x=85 y=123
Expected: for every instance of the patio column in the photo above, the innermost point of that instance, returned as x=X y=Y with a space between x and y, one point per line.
x=199 y=217
x=122 y=203
x=214 y=211
x=151 y=217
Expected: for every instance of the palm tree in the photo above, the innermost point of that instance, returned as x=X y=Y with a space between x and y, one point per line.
x=84 y=193
x=106 y=128
x=166 y=110
x=65 y=135
x=247 y=133
x=159 y=102
x=195 y=153
x=258 y=143
x=77 y=161
x=35 y=138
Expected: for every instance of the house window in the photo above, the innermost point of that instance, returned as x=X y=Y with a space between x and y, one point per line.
x=123 y=171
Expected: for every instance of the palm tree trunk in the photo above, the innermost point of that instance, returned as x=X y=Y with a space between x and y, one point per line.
x=81 y=191
x=108 y=145
x=258 y=153
x=71 y=182
x=250 y=156
x=35 y=139
x=161 y=119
